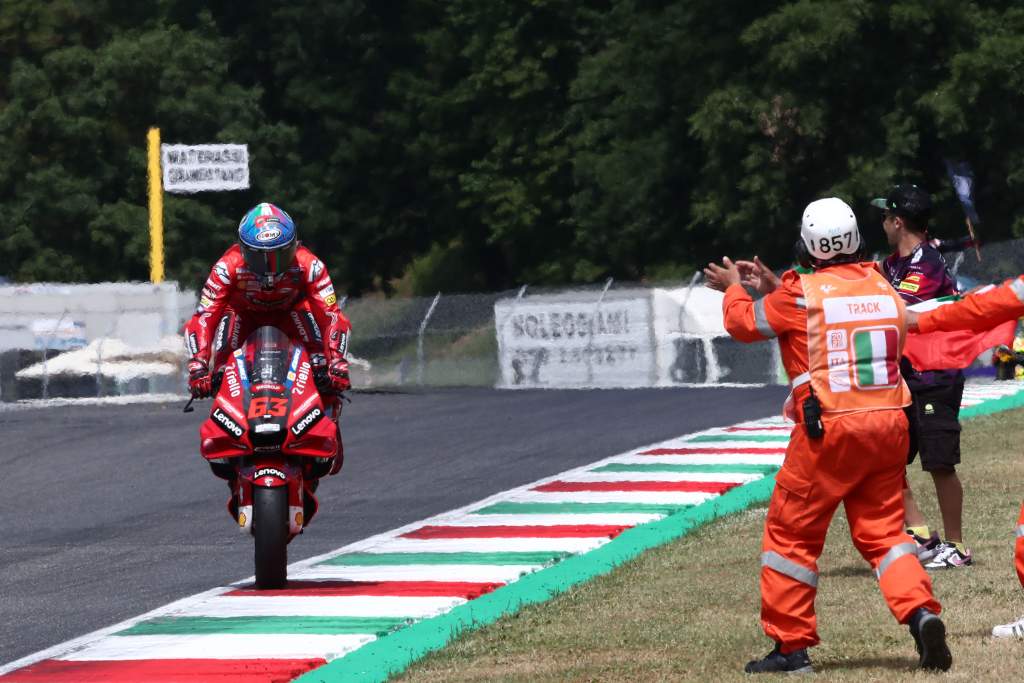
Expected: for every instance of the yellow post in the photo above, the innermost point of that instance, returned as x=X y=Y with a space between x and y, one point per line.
x=156 y=207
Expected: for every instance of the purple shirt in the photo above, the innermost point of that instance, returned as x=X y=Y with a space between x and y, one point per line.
x=919 y=276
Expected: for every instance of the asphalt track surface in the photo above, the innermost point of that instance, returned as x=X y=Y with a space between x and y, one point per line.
x=108 y=511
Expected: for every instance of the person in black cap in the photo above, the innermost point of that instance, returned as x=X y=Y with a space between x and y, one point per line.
x=918 y=272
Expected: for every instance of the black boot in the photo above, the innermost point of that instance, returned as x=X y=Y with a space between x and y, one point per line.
x=796 y=662
x=233 y=499
x=930 y=639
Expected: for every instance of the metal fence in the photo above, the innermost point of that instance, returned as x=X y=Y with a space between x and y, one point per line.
x=443 y=340
x=464 y=340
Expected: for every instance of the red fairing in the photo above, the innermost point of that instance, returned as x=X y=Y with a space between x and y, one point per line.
x=226 y=432
x=304 y=288
x=310 y=429
x=269 y=429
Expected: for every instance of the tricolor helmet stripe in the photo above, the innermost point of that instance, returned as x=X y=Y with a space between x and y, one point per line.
x=266 y=227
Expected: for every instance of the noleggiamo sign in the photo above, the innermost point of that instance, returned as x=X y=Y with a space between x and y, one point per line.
x=574 y=341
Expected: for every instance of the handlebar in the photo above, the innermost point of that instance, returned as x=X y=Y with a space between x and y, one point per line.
x=218 y=377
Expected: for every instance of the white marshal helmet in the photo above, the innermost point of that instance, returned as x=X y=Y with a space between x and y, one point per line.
x=829 y=229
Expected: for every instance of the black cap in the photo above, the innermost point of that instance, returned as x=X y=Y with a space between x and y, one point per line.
x=909 y=201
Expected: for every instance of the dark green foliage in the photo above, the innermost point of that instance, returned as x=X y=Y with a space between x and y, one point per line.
x=479 y=144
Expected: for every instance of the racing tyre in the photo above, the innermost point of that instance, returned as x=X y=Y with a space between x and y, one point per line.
x=270 y=528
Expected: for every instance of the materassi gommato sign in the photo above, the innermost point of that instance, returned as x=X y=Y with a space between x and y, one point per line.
x=205 y=168
x=572 y=341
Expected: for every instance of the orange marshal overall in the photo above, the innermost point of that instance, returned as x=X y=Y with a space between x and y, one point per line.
x=840 y=330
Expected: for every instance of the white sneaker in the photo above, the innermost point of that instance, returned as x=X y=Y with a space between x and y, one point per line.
x=949 y=557
x=1013 y=630
x=927 y=548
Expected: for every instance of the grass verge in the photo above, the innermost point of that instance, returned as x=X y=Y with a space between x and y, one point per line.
x=689 y=610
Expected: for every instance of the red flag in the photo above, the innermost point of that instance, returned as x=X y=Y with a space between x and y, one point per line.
x=949 y=350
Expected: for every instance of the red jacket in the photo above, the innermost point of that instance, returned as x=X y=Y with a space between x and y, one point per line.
x=306 y=284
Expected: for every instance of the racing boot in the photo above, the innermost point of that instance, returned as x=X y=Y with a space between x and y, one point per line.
x=339 y=457
x=233 y=500
x=309 y=502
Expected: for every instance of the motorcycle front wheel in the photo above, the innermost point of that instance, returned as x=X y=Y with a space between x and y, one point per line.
x=270 y=529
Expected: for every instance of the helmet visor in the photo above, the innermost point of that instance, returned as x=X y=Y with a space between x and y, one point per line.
x=268 y=261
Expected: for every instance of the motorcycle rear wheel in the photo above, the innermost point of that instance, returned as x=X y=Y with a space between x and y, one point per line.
x=270 y=529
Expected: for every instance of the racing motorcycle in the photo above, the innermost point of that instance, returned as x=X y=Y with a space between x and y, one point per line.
x=272 y=437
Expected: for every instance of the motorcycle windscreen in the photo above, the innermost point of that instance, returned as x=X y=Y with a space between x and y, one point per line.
x=269 y=356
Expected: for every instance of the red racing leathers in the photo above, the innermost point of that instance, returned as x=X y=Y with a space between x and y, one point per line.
x=840 y=330
x=233 y=303
x=302 y=303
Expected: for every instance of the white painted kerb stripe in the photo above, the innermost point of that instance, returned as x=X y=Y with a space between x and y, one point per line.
x=655 y=497
x=549 y=519
x=708 y=459
x=738 y=477
x=489 y=573
x=219 y=646
x=320 y=606
x=489 y=545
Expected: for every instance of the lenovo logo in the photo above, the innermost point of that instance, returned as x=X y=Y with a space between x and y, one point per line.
x=227 y=424
x=307 y=421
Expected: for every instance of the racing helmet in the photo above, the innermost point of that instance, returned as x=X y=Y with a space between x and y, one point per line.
x=829 y=229
x=268 y=240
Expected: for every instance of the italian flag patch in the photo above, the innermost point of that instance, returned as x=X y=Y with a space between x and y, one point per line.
x=875 y=357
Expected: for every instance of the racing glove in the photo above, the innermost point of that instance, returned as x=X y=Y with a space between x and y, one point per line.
x=200 y=382
x=337 y=373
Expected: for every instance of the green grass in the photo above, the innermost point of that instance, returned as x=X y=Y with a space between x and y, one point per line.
x=689 y=610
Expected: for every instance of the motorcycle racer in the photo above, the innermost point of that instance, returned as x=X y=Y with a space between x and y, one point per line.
x=268 y=278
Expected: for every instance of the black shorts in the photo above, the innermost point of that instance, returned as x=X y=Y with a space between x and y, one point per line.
x=934 y=420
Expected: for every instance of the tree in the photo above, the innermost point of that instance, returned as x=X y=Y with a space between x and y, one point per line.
x=833 y=102
x=76 y=119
